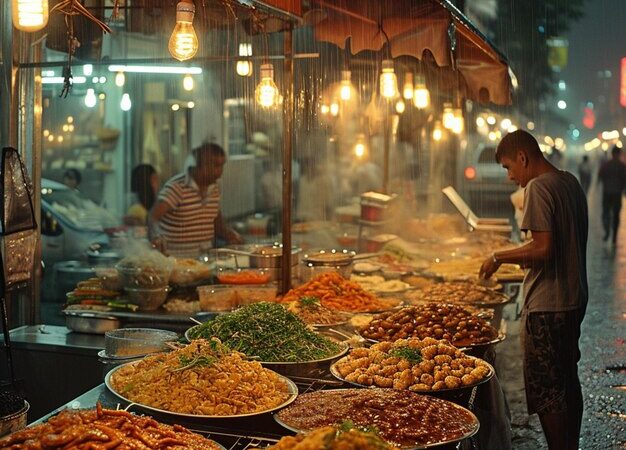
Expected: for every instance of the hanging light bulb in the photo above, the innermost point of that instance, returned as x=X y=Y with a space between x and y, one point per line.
x=30 y=15
x=400 y=106
x=188 y=82
x=407 y=90
x=388 y=80
x=345 y=91
x=334 y=109
x=448 y=116
x=421 y=95
x=437 y=131
x=90 y=98
x=324 y=109
x=183 y=43
x=266 y=92
x=360 y=147
x=458 y=125
x=244 y=67
x=126 y=104
x=120 y=79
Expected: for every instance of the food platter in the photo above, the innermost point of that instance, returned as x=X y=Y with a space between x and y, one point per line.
x=472 y=426
x=334 y=372
x=291 y=386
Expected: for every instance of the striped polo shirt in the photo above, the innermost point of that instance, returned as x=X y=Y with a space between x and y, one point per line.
x=189 y=227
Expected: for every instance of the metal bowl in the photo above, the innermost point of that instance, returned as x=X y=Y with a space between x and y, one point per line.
x=92 y=323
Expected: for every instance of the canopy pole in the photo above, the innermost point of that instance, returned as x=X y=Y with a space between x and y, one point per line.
x=386 y=145
x=288 y=116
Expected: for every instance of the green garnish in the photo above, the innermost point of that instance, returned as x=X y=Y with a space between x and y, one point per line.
x=309 y=302
x=128 y=387
x=197 y=361
x=412 y=355
x=267 y=331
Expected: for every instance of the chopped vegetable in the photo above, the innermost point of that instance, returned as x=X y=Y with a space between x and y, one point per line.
x=267 y=331
x=412 y=355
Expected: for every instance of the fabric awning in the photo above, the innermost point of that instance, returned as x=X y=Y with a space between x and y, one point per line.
x=411 y=28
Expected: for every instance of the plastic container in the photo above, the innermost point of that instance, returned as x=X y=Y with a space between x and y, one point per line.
x=130 y=342
x=148 y=277
x=224 y=297
x=14 y=422
x=376 y=207
x=244 y=276
x=147 y=299
x=110 y=278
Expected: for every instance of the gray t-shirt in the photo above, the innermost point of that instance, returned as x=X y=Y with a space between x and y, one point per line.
x=555 y=202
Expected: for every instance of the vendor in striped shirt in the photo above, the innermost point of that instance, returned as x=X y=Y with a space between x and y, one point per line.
x=187 y=212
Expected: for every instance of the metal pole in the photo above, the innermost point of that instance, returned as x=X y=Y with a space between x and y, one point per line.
x=288 y=119
x=387 y=145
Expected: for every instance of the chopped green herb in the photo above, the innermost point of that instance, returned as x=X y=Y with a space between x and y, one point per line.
x=267 y=331
x=412 y=355
x=309 y=301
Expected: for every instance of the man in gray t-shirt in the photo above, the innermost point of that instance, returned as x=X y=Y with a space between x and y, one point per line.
x=555 y=286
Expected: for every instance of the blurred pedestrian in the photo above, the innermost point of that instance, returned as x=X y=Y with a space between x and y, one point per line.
x=584 y=173
x=144 y=185
x=612 y=175
x=72 y=178
x=555 y=286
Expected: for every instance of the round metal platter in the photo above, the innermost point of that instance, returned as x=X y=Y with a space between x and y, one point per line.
x=292 y=388
x=400 y=304
x=344 y=349
x=475 y=423
x=501 y=337
x=334 y=372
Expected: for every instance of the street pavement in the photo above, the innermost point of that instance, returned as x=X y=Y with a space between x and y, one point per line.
x=602 y=368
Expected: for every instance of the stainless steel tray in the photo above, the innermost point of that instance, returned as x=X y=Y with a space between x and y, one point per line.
x=293 y=393
x=475 y=426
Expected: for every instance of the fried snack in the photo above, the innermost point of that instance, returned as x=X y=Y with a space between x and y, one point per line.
x=105 y=429
x=203 y=378
x=188 y=271
x=335 y=292
x=312 y=312
x=378 y=284
x=458 y=292
x=452 y=322
x=333 y=438
x=419 y=365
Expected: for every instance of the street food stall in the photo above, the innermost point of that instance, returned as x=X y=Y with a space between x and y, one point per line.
x=279 y=335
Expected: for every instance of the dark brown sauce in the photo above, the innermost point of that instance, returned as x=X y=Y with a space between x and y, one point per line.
x=401 y=417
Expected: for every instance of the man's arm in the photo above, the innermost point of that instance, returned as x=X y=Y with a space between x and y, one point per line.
x=538 y=251
x=225 y=232
x=159 y=209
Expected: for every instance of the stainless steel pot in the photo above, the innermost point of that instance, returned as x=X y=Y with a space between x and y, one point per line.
x=102 y=255
x=264 y=256
x=92 y=323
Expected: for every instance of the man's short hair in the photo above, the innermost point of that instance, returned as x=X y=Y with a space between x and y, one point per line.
x=615 y=151
x=208 y=149
x=515 y=141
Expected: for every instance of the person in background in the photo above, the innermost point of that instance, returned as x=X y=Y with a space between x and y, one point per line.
x=72 y=178
x=555 y=286
x=186 y=215
x=144 y=184
x=316 y=191
x=584 y=173
x=612 y=175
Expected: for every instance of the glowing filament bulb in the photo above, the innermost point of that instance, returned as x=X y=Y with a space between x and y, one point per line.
x=266 y=92
x=244 y=67
x=334 y=109
x=388 y=80
x=126 y=104
x=421 y=95
x=120 y=79
x=437 y=131
x=400 y=106
x=324 y=109
x=448 y=116
x=30 y=15
x=345 y=91
x=359 y=147
x=183 y=42
x=188 y=83
x=90 y=98
x=407 y=90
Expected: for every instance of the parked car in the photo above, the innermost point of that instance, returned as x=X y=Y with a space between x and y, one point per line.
x=70 y=223
x=485 y=184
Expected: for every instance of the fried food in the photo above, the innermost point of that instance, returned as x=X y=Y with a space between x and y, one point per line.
x=465 y=292
x=333 y=438
x=452 y=322
x=467 y=269
x=105 y=429
x=312 y=312
x=419 y=365
x=203 y=378
x=337 y=293
x=188 y=271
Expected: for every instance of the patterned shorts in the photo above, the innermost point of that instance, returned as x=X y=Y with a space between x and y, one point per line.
x=551 y=354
